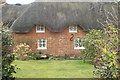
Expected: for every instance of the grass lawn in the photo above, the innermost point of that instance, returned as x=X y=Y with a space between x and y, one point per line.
x=53 y=69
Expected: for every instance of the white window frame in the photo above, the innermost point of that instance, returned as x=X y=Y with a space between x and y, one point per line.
x=40 y=31
x=72 y=31
x=42 y=43
x=80 y=47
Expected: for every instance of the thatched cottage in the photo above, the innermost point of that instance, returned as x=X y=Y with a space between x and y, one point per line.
x=57 y=28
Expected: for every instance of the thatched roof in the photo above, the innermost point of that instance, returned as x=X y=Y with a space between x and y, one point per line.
x=11 y=12
x=56 y=16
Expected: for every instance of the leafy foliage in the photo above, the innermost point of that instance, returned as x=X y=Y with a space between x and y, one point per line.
x=89 y=44
x=22 y=51
x=7 y=58
x=102 y=47
x=39 y=56
x=108 y=47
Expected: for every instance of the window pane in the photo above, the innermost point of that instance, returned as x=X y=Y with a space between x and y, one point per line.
x=73 y=28
x=42 y=28
x=40 y=45
x=43 y=45
x=40 y=41
x=79 y=45
x=76 y=45
x=38 y=28
x=76 y=41
x=44 y=42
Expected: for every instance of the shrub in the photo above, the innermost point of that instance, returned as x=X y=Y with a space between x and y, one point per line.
x=35 y=56
x=39 y=56
x=90 y=50
x=102 y=47
x=66 y=56
x=7 y=68
x=22 y=51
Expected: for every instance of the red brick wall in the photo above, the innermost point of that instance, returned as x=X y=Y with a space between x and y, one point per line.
x=58 y=43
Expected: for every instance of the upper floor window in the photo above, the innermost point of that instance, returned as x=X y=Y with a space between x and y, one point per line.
x=40 y=28
x=42 y=44
x=73 y=28
x=78 y=43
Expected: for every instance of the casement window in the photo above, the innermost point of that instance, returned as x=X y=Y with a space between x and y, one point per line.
x=42 y=44
x=73 y=28
x=78 y=43
x=40 y=28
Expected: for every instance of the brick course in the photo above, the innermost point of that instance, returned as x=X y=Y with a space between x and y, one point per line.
x=58 y=43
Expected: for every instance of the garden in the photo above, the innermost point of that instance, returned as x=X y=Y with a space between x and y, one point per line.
x=101 y=48
x=40 y=65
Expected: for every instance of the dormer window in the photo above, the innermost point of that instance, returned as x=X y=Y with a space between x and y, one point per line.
x=40 y=28
x=73 y=28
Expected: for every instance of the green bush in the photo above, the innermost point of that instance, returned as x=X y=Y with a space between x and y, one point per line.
x=39 y=56
x=7 y=58
x=66 y=56
x=36 y=56
x=102 y=47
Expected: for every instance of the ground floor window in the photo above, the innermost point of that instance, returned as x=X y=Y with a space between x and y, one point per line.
x=42 y=44
x=78 y=43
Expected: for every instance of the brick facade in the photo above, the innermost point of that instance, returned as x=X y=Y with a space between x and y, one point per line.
x=58 y=43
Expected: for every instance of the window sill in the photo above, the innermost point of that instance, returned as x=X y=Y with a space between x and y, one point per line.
x=80 y=48
x=42 y=48
x=40 y=31
x=72 y=31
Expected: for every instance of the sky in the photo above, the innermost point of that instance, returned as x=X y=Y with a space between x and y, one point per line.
x=30 y=1
x=19 y=1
